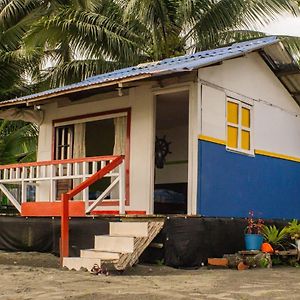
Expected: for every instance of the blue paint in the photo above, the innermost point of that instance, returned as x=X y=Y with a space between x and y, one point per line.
x=231 y=184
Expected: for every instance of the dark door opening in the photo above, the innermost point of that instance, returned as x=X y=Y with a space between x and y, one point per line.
x=171 y=174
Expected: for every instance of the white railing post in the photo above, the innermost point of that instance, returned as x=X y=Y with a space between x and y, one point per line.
x=52 y=183
x=122 y=188
x=78 y=170
x=85 y=192
x=23 y=186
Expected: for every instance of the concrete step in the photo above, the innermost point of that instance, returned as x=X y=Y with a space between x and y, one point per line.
x=92 y=253
x=135 y=229
x=119 y=244
x=80 y=262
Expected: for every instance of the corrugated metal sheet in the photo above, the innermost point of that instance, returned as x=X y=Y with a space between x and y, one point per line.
x=284 y=67
x=166 y=66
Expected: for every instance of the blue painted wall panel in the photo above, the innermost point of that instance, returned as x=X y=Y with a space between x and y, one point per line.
x=230 y=184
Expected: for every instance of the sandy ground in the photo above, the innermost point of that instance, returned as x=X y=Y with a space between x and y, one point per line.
x=37 y=276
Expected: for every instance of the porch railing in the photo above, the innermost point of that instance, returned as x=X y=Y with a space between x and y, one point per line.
x=46 y=174
x=65 y=199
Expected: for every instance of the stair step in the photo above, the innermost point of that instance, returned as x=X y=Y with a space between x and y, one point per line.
x=92 y=253
x=80 y=262
x=120 y=244
x=134 y=229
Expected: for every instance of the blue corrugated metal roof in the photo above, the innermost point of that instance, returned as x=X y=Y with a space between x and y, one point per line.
x=166 y=66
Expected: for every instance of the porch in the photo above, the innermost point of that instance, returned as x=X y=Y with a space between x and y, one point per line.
x=36 y=189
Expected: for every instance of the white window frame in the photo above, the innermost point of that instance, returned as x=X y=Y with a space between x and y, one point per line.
x=241 y=104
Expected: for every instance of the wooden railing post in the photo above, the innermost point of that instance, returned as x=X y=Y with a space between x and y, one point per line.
x=64 y=225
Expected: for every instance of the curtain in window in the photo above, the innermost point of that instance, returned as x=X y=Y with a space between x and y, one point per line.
x=79 y=150
x=120 y=135
x=119 y=147
x=79 y=140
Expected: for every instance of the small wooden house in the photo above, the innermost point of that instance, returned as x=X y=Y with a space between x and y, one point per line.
x=215 y=133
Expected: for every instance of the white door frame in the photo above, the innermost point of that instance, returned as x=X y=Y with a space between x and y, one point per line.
x=192 y=143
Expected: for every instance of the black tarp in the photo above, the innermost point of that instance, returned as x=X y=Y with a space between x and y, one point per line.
x=187 y=241
x=42 y=234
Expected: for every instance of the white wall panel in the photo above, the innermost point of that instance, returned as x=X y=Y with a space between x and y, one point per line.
x=276 y=128
x=141 y=102
x=213 y=112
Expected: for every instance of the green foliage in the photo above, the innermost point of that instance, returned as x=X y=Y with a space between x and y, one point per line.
x=274 y=236
x=18 y=141
x=264 y=262
x=293 y=229
x=276 y=261
x=49 y=43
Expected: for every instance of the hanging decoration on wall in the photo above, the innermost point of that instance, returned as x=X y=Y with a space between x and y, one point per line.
x=162 y=149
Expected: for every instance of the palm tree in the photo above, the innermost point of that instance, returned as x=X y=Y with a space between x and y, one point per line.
x=81 y=39
x=16 y=17
x=174 y=27
x=18 y=142
x=63 y=41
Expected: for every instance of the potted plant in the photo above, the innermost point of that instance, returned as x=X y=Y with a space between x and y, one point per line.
x=293 y=230
x=274 y=236
x=253 y=236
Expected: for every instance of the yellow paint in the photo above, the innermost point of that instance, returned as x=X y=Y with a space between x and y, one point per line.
x=232 y=112
x=245 y=140
x=245 y=117
x=211 y=139
x=277 y=155
x=258 y=152
x=232 y=137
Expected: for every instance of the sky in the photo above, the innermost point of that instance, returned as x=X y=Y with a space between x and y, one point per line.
x=284 y=25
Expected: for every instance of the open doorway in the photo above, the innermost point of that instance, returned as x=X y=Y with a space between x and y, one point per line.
x=171 y=153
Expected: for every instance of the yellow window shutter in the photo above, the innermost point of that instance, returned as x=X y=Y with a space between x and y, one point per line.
x=232 y=112
x=245 y=117
x=232 y=136
x=245 y=140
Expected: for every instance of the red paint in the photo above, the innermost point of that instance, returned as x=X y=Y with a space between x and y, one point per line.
x=64 y=227
x=116 y=212
x=51 y=209
x=127 y=147
x=86 y=116
x=65 y=201
x=95 y=177
x=57 y=162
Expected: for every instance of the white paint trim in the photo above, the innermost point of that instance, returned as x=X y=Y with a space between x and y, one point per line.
x=193 y=150
x=239 y=126
x=90 y=119
x=152 y=159
x=171 y=89
x=192 y=89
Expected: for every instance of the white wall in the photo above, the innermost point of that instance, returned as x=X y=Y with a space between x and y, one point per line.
x=140 y=100
x=177 y=172
x=276 y=128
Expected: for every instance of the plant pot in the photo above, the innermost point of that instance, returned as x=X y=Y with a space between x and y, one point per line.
x=297 y=242
x=253 y=241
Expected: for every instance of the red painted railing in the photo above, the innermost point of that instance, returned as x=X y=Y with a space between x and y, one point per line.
x=65 y=198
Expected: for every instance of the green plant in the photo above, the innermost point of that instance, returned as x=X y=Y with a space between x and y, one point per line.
x=160 y=262
x=276 y=261
x=264 y=262
x=274 y=236
x=293 y=229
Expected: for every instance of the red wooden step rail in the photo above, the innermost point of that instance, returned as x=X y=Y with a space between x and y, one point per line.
x=65 y=198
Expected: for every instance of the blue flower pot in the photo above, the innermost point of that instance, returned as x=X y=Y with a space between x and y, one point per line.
x=253 y=241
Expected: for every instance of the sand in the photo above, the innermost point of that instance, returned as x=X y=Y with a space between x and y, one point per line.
x=37 y=276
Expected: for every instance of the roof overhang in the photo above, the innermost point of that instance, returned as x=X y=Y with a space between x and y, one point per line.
x=270 y=48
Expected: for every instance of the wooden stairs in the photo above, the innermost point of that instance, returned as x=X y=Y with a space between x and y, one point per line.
x=121 y=248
